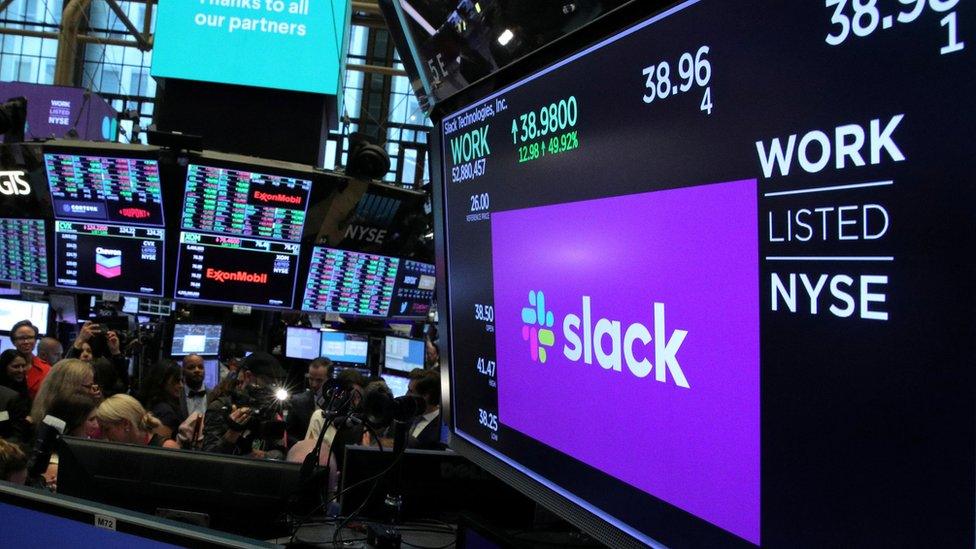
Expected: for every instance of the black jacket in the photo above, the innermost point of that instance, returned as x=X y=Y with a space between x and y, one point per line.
x=13 y=416
x=301 y=408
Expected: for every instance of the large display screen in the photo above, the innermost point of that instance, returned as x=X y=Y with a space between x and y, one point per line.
x=345 y=347
x=107 y=189
x=23 y=253
x=233 y=270
x=242 y=230
x=112 y=258
x=303 y=343
x=414 y=290
x=404 y=355
x=295 y=45
x=198 y=339
x=706 y=279
x=245 y=203
x=399 y=385
x=352 y=283
x=13 y=311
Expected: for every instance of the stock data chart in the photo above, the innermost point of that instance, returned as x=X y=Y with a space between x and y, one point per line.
x=124 y=190
x=227 y=201
x=346 y=282
x=23 y=256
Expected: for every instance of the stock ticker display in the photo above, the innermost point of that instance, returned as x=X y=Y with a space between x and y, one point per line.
x=236 y=270
x=414 y=291
x=106 y=189
x=241 y=236
x=744 y=222
x=23 y=253
x=112 y=258
x=228 y=201
x=354 y=283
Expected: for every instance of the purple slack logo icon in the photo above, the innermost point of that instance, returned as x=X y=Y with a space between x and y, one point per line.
x=542 y=336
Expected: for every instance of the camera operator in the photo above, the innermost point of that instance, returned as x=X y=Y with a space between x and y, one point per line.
x=96 y=342
x=247 y=421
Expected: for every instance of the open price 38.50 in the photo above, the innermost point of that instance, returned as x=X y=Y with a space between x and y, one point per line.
x=468 y=171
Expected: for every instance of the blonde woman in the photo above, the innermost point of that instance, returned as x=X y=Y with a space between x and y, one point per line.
x=123 y=419
x=67 y=377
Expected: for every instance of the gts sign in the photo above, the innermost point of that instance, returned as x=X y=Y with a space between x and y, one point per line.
x=14 y=183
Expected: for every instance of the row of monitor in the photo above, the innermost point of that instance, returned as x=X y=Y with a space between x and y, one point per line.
x=402 y=354
x=239 y=241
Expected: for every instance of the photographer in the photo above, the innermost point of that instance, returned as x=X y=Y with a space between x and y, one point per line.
x=247 y=421
x=102 y=348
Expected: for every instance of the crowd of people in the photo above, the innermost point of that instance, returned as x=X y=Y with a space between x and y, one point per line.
x=86 y=392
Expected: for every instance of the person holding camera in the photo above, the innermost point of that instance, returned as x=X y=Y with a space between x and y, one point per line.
x=247 y=421
x=102 y=348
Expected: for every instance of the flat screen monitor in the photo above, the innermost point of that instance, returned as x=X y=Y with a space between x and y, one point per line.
x=13 y=311
x=297 y=46
x=397 y=383
x=198 y=339
x=5 y=343
x=240 y=495
x=716 y=304
x=414 y=290
x=211 y=373
x=23 y=255
x=245 y=202
x=345 y=347
x=109 y=258
x=303 y=343
x=350 y=283
x=403 y=355
x=241 y=233
x=233 y=270
x=365 y=372
x=105 y=189
x=130 y=305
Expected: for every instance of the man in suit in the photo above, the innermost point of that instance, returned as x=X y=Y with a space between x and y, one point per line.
x=425 y=431
x=304 y=404
x=194 y=397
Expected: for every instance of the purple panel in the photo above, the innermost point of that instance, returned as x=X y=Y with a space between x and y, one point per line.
x=53 y=110
x=677 y=418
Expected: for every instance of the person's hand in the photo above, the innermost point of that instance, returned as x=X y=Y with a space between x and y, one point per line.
x=88 y=330
x=257 y=454
x=238 y=418
x=188 y=429
x=113 y=343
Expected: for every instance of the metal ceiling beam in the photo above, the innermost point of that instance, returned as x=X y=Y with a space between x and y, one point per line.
x=124 y=19
x=66 y=60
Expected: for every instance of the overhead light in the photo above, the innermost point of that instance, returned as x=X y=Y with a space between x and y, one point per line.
x=505 y=37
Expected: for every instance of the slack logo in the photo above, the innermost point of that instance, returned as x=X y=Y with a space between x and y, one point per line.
x=108 y=262
x=541 y=336
x=586 y=340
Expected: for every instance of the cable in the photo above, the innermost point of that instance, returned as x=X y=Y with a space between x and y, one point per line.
x=336 y=496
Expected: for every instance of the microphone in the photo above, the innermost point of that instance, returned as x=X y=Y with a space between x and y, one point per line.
x=48 y=433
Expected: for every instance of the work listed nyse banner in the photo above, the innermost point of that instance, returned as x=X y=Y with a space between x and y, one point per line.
x=814 y=163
